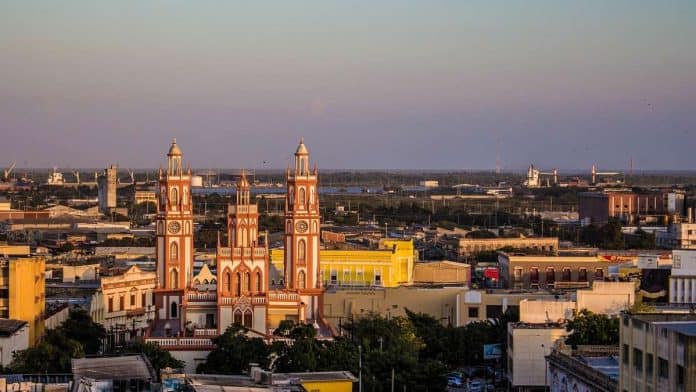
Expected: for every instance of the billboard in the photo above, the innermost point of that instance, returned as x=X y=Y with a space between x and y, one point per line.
x=492 y=351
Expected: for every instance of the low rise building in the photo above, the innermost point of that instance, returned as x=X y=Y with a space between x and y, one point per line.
x=14 y=336
x=587 y=368
x=657 y=352
x=442 y=273
x=140 y=197
x=553 y=272
x=123 y=304
x=677 y=236
x=471 y=246
x=390 y=265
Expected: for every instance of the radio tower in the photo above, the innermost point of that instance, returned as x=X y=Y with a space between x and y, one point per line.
x=497 y=156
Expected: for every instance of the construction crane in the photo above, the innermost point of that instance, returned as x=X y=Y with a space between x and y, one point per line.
x=6 y=173
x=596 y=173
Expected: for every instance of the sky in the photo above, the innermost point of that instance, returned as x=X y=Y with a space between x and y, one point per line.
x=383 y=84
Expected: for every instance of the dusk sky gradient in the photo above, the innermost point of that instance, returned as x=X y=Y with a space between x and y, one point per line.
x=370 y=85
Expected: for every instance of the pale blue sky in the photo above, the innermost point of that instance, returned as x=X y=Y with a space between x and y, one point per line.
x=386 y=84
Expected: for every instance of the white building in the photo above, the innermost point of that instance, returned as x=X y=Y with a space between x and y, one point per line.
x=528 y=346
x=14 y=336
x=682 y=281
x=677 y=236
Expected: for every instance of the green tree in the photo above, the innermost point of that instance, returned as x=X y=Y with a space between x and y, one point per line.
x=52 y=355
x=591 y=328
x=234 y=352
x=80 y=327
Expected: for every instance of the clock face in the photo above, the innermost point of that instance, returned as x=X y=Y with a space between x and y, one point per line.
x=301 y=226
x=174 y=227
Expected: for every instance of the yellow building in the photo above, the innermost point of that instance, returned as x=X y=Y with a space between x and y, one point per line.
x=22 y=293
x=388 y=266
x=319 y=381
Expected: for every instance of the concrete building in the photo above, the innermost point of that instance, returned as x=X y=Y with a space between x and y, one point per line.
x=585 y=369
x=441 y=273
x=390 y=265
x=682 y=280
x=657 y=352
x=471 y=246
x=610 y=298
x=107 y=185
x=22 y=293
x=528 y=346
x=123 y=303
x=630 y=207
x=678 y=236
x=14 y=336
x=556 y=272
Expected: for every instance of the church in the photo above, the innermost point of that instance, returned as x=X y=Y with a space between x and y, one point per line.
x=186 y=318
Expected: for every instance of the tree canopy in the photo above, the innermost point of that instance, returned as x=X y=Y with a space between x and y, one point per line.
x=592 y=328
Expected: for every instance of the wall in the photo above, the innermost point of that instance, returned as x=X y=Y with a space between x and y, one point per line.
x=527 y=351
x=541 y=311
x=607 y=297
x=15 y=342
x=191 y=358
x=72 y=273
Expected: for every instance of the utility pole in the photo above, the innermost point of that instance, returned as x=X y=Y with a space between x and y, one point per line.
x=392 y=383
x=359 y=368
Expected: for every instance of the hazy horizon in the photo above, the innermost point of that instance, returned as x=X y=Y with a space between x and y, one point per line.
x=445 y=85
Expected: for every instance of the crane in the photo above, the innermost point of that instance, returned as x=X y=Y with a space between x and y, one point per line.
x=76 y=173
x=596 y=173
x=6 y=173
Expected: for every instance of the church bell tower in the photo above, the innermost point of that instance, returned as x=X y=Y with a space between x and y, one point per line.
x=302 y=225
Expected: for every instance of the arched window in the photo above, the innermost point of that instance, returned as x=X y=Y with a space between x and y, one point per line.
x=174 y=278
x=247 y=282
x=227 y=284
x=173 y=251
x=302 y=197
x=185 y=197
x=311 y=195
x=237 y=317
x=301 y=251
x=247 y=318
x=259 y=286
x=196 y=281
x=301 y=281
x=173 y=310
x=239 y=284
x=174 y=197
x=292 y=196
x=205 y=281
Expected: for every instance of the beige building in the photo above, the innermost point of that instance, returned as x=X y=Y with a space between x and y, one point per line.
x=140 y=197
x=610 y=298
x=658 y=352
x=442 y=273
x=528 y=346
x=554 y=272
x=471 y=246
x=124 y=302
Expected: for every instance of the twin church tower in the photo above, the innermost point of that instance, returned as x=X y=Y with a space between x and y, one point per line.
x=243 y=294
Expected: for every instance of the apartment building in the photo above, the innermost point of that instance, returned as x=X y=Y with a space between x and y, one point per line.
x=22 y=293
x=658 y=352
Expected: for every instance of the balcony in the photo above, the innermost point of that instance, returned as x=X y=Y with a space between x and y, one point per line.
x=201 y=297
x=292 y=297
x=260 y=300
x=205 y=332
x=182 y=343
